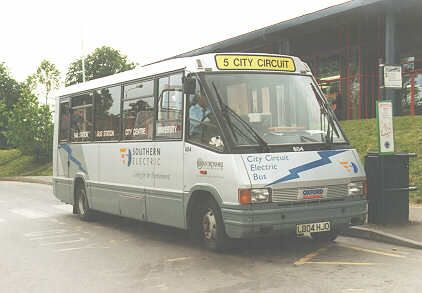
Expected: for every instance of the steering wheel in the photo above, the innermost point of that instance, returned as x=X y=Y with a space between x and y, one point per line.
x=206 y=116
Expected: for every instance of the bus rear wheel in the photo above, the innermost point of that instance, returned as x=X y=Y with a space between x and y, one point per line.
x=211 y=230
x=81 y=201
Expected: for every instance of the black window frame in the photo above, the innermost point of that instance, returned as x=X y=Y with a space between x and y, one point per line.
x=122 y=136
x=119 y=135
x=64 y=101
x=212 y=105
x=157 y=101
x=90 y=92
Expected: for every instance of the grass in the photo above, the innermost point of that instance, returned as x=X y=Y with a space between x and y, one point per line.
x=14 y=163
x=408 y=138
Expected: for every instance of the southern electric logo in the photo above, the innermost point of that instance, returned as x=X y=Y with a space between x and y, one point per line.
x=143 y=157
x=349 y=166
x=126 y=156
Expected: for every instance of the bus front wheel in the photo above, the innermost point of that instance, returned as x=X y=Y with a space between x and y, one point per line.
x=211 y=230
x=82 y=204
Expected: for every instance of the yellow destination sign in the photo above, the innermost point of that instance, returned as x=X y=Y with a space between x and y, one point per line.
x=254 y=62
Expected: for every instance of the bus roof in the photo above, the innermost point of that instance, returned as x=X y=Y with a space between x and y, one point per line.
x=234 y=62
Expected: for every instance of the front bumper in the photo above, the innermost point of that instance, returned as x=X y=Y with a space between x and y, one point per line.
x=273 y=219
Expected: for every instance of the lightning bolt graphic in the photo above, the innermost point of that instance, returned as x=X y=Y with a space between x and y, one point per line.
x=294 y=173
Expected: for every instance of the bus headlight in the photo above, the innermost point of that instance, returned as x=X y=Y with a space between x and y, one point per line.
x=254 y=195
x=356 y=188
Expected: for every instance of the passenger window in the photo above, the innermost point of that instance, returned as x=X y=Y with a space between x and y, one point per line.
x=64 y=123
x=170 y=107
x=82 y=118
x=138 y=110
x=202 y=125
x=107 y=113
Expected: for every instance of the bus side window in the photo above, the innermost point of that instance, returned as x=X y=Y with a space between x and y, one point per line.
x=202 y=126
x=107 y=113
x=64 y=122
x=138 y=111
x=81 y=125
x=170 y=107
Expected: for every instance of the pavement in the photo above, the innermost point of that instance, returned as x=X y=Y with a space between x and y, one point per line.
x=406 y=235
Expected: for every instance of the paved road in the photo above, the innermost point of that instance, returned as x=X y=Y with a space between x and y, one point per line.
x=44 y=248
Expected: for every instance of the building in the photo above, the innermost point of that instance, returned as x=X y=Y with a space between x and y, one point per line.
x=344 y=45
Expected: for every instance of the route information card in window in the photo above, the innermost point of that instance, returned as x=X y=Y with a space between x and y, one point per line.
x=385 y=126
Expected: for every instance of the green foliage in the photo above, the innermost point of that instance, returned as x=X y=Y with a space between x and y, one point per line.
x=9 y=88
x=30 y=127
x=9 y=94
x=46 y=78
x=408 y=138
x=102 y=62
x=3 y=120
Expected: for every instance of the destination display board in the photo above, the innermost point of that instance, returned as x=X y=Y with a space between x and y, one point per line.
x=254 y=62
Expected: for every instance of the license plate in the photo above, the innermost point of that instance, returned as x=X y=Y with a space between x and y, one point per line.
x=312 y=228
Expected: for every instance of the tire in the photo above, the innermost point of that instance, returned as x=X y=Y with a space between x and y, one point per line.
x=81 y=202
x=211 y=227
x=329 y=236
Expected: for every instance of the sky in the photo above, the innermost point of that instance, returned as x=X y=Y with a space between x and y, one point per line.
x=146 y=31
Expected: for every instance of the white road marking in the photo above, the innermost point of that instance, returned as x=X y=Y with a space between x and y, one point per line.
x=62 y=242
x=30 y=214
x=79 y=248
x=64 y=207
x=54 y=236
x=45 y=232
x=339 y=263
x=178 y=259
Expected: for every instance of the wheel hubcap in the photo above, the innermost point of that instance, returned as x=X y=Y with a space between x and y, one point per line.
x=209 y=225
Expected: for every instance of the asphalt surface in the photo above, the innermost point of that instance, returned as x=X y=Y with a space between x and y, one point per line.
x=44 y=248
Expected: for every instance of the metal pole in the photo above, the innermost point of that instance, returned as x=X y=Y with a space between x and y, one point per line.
x=83 y=60
x=391 y=51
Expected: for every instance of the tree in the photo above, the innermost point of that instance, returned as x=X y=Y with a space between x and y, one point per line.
x=30 y=126
x=45 y=79
x=9 y=94
x=9 y=88
x=102 y=62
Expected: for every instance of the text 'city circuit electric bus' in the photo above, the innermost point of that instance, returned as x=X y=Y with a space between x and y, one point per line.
x=225 y=145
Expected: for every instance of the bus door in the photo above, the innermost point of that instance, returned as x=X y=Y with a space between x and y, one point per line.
x=64 y=133
x=165 y=201
x=63 y=185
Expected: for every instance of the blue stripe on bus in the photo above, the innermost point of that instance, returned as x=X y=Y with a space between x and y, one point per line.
x=68 y=150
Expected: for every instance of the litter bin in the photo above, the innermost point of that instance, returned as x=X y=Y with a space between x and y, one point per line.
x=388 y=187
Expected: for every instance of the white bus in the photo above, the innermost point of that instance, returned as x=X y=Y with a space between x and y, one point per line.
x=225 y=145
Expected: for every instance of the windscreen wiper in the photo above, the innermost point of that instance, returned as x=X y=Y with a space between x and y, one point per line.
x=226 y=109
x=307 y=138
x=331 y=124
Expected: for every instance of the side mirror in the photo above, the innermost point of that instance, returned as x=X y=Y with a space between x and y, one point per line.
x=189 y=86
